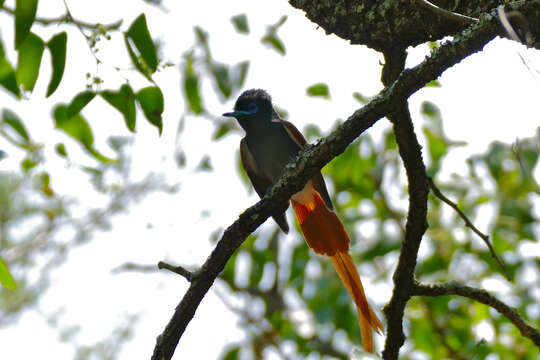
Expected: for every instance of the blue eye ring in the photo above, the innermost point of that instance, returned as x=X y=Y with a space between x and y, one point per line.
x=252 y=108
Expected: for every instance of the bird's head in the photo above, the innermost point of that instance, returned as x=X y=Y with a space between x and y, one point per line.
x=252 y=106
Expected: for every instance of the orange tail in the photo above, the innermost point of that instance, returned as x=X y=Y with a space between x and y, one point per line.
x=325 y=234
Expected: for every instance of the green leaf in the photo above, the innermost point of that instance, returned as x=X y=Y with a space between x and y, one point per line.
x=430 y=109
x=224 y=128
x=240 y=23
x=433 y=45
x=61 y=150
x=433 y=83
x=437 y=148
x=151 y=101
x=239 y=74
x=232 y=354
x=11 y=119
x=29 y=59
x=320 y=90
x=7 y=78
x=46 y=184
x=201 y=36
x=28 y=164
x=312 y=132
x=143 y=69
x=57 y=47
x=432 y=264
x=123 y=101
x=5 y=277
x=191 y=87
x=271 y=38
x=139 y=34
x=75 y=126
x=7 y=75
x=25 y=13
x=274 y=42
x=205 y=164
x=362 y=99
x=220 y=73
x=228 y=272
x=79 y=102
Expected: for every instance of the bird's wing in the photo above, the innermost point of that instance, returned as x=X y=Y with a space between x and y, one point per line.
x=318 y=180
x=260 y=182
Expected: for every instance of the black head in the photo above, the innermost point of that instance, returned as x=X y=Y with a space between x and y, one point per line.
x=252 y=105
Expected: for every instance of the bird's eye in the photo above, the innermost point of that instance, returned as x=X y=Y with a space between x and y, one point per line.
x=252 y=108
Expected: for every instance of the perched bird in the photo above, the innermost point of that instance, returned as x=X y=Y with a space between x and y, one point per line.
x=270 y=143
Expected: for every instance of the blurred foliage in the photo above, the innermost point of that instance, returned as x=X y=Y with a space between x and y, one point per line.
x=29 y=197
x=292 y=303
x=319 y=90
x=40 y=222
x=240 y=23
x=304 y=308
x=109 y=348
x=271 y=37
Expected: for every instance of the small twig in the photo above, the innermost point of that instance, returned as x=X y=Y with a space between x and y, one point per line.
x=67 y=18
x=188 y=275
x=483 y=297
x=435 y=190
x=524 y=169
x=506 y=24
x=130 y=266
x=504 y=18
x=446 y=13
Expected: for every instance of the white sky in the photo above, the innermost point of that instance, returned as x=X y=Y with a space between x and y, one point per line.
x=489 y=96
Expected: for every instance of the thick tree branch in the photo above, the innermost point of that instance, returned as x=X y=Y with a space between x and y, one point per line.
x=313 y=158
x=481 y=296
x=388 y=24
x=411 y=155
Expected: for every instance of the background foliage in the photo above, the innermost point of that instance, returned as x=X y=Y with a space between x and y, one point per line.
x=288 y=300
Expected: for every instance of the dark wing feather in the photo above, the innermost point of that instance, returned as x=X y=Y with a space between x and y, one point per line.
x=318 y=180
x=260 y=182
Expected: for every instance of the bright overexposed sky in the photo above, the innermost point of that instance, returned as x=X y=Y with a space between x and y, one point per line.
x=488 y=96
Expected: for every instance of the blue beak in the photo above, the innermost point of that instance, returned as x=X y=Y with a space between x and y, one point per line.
x=237 y=113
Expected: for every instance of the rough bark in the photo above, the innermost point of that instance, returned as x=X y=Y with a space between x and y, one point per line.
x=385 y=25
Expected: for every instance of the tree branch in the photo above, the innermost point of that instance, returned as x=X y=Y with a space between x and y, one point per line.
x=470 y=225
x=188 y=275
x=481 y=296
x=411 y=155
x=524 y=169
x=314 y=157
x=384 y=25
x=68 y=19
x=131 y=266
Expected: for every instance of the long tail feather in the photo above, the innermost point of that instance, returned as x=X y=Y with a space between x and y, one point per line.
x=325 y=234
